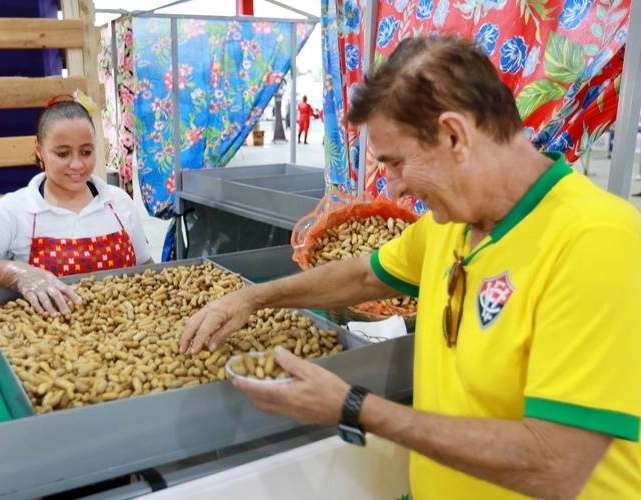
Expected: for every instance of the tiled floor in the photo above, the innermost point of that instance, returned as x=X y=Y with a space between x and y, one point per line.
x=312 y=155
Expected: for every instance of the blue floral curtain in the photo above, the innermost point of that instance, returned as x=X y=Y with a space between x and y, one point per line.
x=336 y=150
x=227 y=73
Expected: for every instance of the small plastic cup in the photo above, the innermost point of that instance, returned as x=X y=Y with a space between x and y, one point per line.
x=231 y=374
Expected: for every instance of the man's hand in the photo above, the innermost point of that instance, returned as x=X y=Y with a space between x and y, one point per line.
x=41 y=288
x=315 y=396
x=214 y=323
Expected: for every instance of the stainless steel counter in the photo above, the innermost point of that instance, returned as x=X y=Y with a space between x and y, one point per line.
x=65 y=449
x=278 y=194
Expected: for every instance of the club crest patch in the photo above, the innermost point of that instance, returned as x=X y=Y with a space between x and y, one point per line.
x=492 y=296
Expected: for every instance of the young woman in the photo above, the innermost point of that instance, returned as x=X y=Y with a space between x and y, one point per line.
x=66 y=221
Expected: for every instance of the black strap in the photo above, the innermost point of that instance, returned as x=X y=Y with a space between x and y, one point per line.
x=352 y=405
x=185 y=212
x=92 y=188
x=154 y=479
x=182 y=216
x=90 y=185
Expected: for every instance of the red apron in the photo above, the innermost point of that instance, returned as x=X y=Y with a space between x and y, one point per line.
x=82 y=255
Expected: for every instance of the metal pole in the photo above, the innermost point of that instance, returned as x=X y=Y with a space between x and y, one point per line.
x=114 y=65
x=626 y=125
x=292 y=95
x=203 y=17
x=111 y=11
x=176 y=135
x=371 y=20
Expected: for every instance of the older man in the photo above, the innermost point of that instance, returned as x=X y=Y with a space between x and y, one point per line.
x=527 y=373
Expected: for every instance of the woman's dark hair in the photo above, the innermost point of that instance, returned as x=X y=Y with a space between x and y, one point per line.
x=425 y=77
x=59 y=108
x=67 y=109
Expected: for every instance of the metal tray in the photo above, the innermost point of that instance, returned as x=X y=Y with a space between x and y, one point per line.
x=16 y=398
x=251 y=171
x=279 y=194
x=293 y=183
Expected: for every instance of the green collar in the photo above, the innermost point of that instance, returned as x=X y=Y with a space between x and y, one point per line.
x=525 y=205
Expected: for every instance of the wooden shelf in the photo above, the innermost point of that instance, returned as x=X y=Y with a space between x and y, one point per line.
x=25 y=33
x=22 y=92
x=17 y=150
x=77 y=35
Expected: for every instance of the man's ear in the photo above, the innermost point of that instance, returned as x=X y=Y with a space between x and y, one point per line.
x=457 y=130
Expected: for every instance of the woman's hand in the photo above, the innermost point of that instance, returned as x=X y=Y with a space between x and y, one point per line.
x=41 y=288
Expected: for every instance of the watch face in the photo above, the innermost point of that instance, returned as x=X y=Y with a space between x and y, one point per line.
x=351 y=435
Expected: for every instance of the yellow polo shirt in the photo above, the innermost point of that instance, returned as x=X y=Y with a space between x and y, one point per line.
x=551 y=326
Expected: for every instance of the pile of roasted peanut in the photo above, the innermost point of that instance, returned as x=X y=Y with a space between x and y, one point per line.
x=355 y=237
x=123 y=339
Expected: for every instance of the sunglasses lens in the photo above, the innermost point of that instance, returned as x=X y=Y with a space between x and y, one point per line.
x=453 y=279
x=451 y=321
x=447 y=323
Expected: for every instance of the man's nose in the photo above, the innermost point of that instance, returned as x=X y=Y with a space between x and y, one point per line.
x=395 y=184
x=395 y=188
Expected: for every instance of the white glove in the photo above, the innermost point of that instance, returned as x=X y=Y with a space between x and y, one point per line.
x=41 y=288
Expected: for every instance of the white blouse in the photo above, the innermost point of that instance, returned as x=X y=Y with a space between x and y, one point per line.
x=96 y=219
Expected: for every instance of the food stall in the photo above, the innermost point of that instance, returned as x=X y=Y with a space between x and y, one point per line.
x=208 y=437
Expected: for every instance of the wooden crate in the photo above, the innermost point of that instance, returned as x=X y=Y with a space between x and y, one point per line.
x=77 y=35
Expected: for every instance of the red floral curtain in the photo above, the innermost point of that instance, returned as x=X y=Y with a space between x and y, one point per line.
x=562 y=59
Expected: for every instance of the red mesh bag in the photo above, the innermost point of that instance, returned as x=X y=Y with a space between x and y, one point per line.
x=334 y=209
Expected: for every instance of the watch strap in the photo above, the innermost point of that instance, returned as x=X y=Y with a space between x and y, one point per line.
x=352 y=405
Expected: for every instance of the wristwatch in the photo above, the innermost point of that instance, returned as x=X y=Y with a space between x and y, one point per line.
x=349 y=429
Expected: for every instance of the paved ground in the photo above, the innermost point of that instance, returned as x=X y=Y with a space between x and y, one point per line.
x=312 y=155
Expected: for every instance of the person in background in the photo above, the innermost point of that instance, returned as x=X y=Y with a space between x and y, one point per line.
x=527 y=378
x=305 y=114
x=67 y=220
x=287 y=116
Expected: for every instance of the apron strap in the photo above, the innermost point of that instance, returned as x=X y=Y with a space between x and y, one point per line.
x=116 y=216
x=33 y=227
